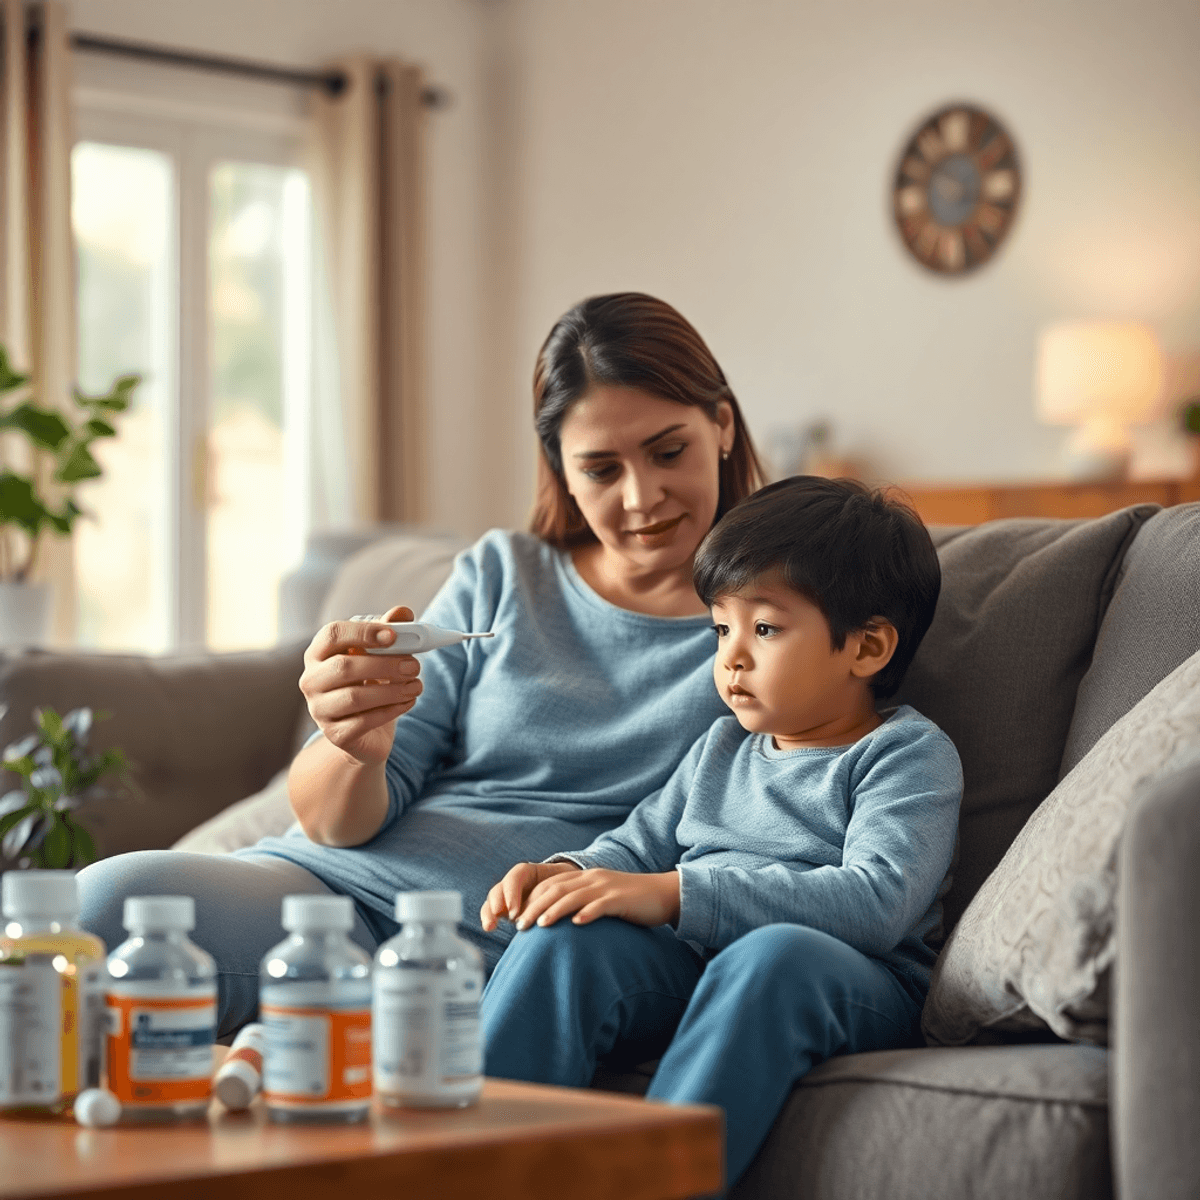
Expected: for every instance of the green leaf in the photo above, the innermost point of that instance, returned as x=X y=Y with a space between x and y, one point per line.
x=44 y=427
x=79 y=465
x=50 y=723
x=23 y=765
x=96 y=428
x=56 y=849
x=10 y=819
x=1191 y=417
x=19 y=505
x=9 y=379
x=85 y=847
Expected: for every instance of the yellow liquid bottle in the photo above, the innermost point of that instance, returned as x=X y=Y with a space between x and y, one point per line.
x=51 y=994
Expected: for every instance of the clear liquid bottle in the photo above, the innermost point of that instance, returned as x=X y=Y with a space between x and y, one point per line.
x=162 y=1013
x=51 y=994
x=315 y=1004
x=428 y=981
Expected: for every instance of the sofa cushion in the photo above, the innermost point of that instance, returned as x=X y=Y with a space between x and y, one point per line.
x=989 y=1122
x=1151 y=626
x=1019 y=611
x=1039 y=938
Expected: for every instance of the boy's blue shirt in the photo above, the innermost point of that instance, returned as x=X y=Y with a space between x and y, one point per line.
x=853 y=840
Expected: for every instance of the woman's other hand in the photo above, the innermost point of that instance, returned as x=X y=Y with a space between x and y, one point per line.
x=507 y=898
x=355 y=698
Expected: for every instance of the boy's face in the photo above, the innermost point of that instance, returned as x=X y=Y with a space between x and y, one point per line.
x=777 y=669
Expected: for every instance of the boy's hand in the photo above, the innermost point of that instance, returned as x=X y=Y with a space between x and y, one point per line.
x=595 y=893
x=507 y=898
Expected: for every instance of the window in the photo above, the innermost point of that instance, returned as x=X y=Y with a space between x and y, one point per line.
x=194 y=269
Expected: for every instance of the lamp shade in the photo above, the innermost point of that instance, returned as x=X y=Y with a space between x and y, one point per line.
x=1098 y=371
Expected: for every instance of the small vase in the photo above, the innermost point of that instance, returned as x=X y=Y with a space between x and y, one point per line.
x=24 y=614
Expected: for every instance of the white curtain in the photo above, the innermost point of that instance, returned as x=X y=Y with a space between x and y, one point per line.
x=368 y=443
x=37 y=301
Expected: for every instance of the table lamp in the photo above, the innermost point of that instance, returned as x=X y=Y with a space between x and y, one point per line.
x=1102 y=377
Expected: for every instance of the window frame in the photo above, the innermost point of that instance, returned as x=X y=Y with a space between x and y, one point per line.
x=195 y=138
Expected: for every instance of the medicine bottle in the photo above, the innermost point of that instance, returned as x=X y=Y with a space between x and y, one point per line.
x=427 y=986
x=162 y=1013
x=315 y=1003
x=51 y=993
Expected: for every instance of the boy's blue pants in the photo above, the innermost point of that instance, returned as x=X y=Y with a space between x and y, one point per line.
x=738 y=1031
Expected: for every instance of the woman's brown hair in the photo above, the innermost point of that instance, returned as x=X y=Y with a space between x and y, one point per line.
x=631 y=340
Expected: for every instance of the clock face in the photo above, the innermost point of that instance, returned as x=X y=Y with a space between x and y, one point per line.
x=956 y=189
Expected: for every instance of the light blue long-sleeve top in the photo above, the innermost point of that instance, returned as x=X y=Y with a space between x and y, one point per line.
x=855 y=841
x=536 y=740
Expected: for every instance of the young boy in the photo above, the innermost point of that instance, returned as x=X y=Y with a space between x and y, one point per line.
x=777 y=898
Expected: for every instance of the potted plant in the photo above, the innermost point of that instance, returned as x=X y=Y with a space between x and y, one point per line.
x=39 y=821
x=39 y=501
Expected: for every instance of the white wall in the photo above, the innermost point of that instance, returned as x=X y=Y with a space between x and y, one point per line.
x=735 y=158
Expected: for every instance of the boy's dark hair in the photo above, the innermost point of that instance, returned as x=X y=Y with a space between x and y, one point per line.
x=855 y=552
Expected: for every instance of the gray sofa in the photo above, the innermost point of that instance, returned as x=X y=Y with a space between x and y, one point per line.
x=1046 y=634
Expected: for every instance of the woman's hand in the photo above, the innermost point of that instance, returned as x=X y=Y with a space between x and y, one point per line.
x=355 y=698
x=640 y=899
x=507 y=898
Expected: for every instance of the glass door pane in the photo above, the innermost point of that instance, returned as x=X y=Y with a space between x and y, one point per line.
x=259 y=299
x=122 y=210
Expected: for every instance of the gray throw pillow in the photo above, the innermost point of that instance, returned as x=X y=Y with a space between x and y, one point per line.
x=1152 y=625
x=1037 y=941
x=1020 y=608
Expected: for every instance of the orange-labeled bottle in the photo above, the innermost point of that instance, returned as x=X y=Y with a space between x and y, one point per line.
x=51 y=994
x=161 y=1004
x=315 y=1005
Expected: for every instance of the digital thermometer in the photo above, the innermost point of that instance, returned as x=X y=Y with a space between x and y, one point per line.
x=413 y=637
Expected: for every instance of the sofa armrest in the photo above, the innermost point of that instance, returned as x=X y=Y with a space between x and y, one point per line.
x=200 y=731
x=1156 y=1059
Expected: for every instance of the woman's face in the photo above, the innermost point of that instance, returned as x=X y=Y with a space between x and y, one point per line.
x=644 y=472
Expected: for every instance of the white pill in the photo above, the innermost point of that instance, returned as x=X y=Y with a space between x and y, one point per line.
x=97 y=1106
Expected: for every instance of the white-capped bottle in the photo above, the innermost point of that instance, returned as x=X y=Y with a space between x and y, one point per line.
x=315 y=1003
x=427 y=985
x=51 y=993
x=162 y=1013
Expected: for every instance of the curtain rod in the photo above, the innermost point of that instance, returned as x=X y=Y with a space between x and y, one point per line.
x=333 y=82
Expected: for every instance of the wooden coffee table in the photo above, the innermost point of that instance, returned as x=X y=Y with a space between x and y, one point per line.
x=520 y=1141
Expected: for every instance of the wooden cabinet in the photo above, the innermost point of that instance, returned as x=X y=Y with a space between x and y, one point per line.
x=974 y=504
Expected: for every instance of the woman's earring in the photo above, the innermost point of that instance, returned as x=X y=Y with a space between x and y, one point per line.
x=724 y=455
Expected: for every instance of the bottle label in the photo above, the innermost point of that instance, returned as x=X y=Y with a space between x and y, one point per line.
x=160 y=1044
x=82 y=1025
x=318 y=1044
x=426 y=1030
x=31 y=1037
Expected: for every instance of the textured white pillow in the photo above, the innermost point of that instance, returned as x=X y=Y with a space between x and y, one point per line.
x=1036 y=943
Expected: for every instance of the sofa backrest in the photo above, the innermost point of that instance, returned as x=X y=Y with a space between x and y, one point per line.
x=1021 y=606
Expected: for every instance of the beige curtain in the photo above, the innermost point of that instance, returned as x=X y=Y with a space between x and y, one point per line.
x=369 y=454
x=37 y=301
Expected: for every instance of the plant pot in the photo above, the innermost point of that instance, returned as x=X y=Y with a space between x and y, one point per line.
x=24 y=614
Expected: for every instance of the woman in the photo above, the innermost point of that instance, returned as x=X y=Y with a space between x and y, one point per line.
x=595 y=685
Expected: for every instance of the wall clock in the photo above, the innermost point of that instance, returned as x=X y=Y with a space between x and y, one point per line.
x=956 y=189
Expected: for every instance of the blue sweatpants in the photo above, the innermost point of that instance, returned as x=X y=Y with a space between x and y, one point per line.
x=737 y=1031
